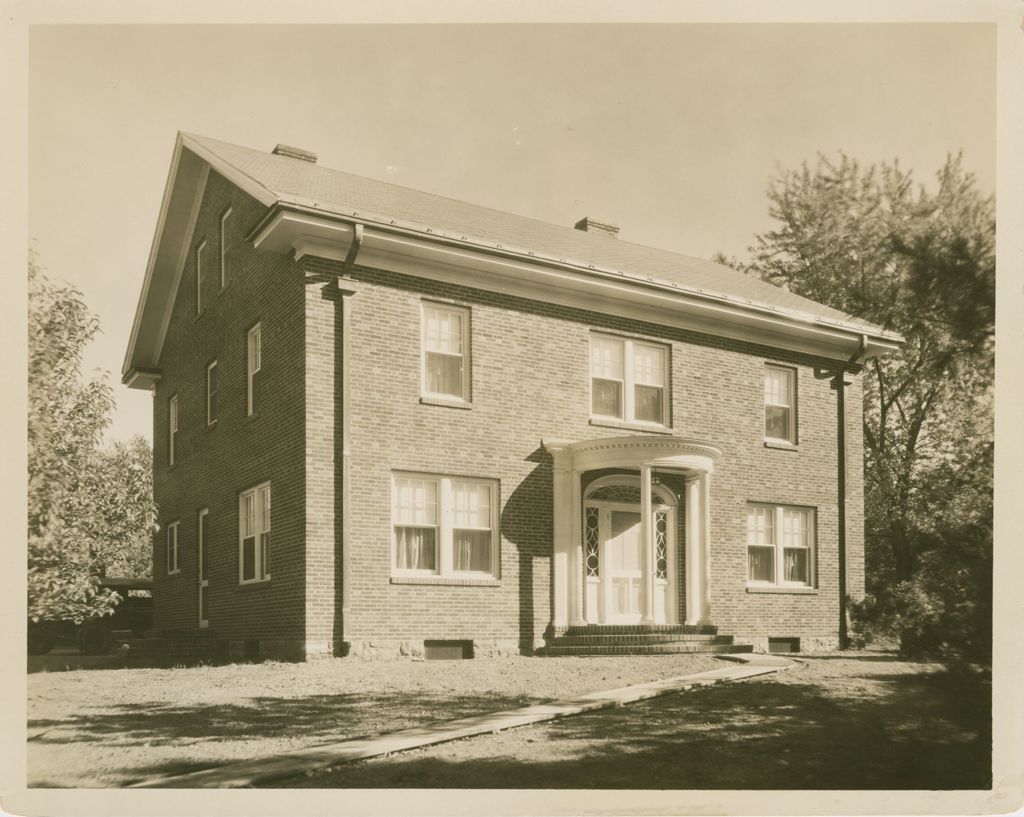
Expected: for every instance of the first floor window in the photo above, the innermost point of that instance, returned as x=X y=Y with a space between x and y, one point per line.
x=254 y=534
x=444 y=525
x=628 y=379
x=172 y=548
x=780 y=544
x=203 y=543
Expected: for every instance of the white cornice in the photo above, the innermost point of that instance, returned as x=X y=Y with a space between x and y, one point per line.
x=397 y=250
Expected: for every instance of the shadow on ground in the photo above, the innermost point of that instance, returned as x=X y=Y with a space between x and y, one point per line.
x=136 y=732
x=915 y=732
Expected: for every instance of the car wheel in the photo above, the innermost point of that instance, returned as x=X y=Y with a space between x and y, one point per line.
x=93 y=639
x=41 y=638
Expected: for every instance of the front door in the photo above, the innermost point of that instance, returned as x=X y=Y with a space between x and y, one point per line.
x=623 y=561
x=613 y=562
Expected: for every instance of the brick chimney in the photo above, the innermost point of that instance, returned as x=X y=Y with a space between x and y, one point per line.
x=295 y=153
x=593 y=225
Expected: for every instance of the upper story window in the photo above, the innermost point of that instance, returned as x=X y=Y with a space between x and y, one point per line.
x=254 y=365
x=172 y=428
x=225 y=239
x=200 y=277
x=628 y=380
x=211 y=393
x=254 y=534
x=445 y=526
x=445 y=351
x=172 y=548
x=779 y=404
x=780 y=545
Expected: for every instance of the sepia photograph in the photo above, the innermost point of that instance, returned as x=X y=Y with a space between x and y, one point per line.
x=577 y=408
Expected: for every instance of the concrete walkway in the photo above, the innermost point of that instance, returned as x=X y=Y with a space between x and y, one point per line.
x=323 y=756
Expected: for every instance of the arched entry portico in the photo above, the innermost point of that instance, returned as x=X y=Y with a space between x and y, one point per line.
x=628 y=592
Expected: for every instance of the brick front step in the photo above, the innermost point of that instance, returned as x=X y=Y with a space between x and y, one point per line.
x=621 y=639
x=628 y=629
x=645 y=649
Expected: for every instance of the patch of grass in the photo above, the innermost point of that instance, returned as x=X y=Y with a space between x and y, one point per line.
x=835 y=723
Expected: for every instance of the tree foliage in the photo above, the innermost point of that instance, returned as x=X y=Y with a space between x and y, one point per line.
x=89 y=510
x=876 y=245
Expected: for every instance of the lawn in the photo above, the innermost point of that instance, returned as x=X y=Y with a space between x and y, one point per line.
x=834 y=722
x=850 y=721
x=112 y=727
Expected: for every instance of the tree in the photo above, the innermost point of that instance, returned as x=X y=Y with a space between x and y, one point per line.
x=875 y=245
x=83 y=504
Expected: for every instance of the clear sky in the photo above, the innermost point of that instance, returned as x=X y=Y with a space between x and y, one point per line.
x=670 y=131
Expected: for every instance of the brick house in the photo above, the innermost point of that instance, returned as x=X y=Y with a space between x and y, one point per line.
x=478 y=427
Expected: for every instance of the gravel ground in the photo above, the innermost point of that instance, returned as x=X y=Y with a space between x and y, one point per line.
x=110 y=727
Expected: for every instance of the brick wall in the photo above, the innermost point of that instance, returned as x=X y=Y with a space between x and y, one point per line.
x=215 y=463
x=530 y=382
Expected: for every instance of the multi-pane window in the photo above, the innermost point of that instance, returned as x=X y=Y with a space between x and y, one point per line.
x=204 y=566
x=172 y=428
x=445 y=344
x=172 y=548
x=225 y=238
x=779 y=383
x=628 y=380
x=254 y=365
x=780 y=545
x=254 y=534
x=200 y=277
x=211 y=393
x=444 y=525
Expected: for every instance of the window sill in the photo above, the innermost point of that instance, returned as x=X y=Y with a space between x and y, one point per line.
x=781 y=445
x=452 y=581
x=653 y=428
x=254 y=583
x=794 y=591
x=448 y=402
x=173 y=573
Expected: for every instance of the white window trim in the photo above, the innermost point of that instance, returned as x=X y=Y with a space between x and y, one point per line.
x=445 y=526
x=210 y=367
x=255 y=491
x=200 y=275
x=779 y=546
x=172 y=427
x=204 y=581
x=223 y=248
x=791 y=440
x=173 y=565
x=467 y=349
x=255 y=331
x=628 y=382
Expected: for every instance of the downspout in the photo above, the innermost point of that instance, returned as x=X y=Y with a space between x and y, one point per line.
x=346 y=451
x=840 y=386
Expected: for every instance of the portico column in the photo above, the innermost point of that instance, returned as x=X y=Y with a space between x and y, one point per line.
x=647 y=547
x=562 y=569
x=705 y=598
x=694 y=551
x=576 y=573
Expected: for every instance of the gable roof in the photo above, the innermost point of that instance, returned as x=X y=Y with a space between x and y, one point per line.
x=283 y=181
x=334 y=191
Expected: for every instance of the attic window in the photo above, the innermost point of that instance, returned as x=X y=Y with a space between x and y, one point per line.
x=200 y=277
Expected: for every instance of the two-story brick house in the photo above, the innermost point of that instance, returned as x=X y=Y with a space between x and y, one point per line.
x=474 y=426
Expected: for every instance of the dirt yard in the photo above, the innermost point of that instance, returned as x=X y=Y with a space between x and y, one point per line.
x=835 y=722
x=111 y=727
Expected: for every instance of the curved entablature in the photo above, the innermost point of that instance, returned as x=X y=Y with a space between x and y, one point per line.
x=678 y=453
